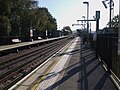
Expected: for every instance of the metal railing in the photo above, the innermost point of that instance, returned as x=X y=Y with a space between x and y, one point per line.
x=107 y=49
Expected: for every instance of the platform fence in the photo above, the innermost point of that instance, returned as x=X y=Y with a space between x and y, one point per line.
x=106 y=46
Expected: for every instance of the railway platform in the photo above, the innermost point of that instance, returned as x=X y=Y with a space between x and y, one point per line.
x=27 y=44
x=74 y=67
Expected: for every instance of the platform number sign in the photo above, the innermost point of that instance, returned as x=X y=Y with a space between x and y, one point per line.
x=97 y=14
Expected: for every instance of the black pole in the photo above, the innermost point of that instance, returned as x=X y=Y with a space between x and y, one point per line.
x=88 y=23
x=97 y=28
x=110 y=16
x=109 y=56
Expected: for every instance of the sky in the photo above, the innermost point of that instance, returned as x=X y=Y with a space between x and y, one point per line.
x=67 y=12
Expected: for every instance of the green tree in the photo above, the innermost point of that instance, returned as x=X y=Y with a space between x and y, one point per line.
x=67 y=30
x=44 y=21
x=23 y=15
x=115 y=21
x=5 y=27
x=15 y=11
x=5 y=7
x=115 y=24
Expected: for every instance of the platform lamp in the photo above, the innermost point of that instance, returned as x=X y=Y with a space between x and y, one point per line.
x=87 y=3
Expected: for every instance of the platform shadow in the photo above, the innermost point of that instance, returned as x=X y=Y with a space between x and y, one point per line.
x=87 y=59
x=69 y=53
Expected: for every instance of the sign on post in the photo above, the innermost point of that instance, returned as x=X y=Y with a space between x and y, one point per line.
x=31 y=33
x=97 y=14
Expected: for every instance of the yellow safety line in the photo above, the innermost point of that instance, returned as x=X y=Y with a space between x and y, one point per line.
x=48 y=70
x=43 y=77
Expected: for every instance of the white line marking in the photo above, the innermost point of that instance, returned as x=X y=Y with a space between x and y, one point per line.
x=51 y=78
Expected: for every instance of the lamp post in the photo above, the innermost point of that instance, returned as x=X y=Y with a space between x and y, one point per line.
x=87 y=3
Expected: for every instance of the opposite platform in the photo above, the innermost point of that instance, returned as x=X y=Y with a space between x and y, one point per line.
x=22 y=44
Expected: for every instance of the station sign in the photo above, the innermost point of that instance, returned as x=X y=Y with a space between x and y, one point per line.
x=97 y=14
x=31 y=33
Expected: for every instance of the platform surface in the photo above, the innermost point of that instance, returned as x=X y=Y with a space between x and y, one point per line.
x=73 y=68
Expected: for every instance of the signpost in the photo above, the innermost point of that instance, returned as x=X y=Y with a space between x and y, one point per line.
x=97 y=27
x=97 y=14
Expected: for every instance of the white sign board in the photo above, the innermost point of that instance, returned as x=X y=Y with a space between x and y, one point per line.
x=31 y=33
x=119 y=32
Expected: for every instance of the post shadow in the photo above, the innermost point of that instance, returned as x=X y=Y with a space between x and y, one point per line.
x=81 y=68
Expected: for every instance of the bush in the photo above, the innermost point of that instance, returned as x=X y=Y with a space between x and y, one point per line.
x=5 y=26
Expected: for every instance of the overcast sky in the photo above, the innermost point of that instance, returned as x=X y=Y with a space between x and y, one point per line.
x=68 y=12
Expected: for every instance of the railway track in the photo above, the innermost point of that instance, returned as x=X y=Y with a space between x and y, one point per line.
x=15 y=68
